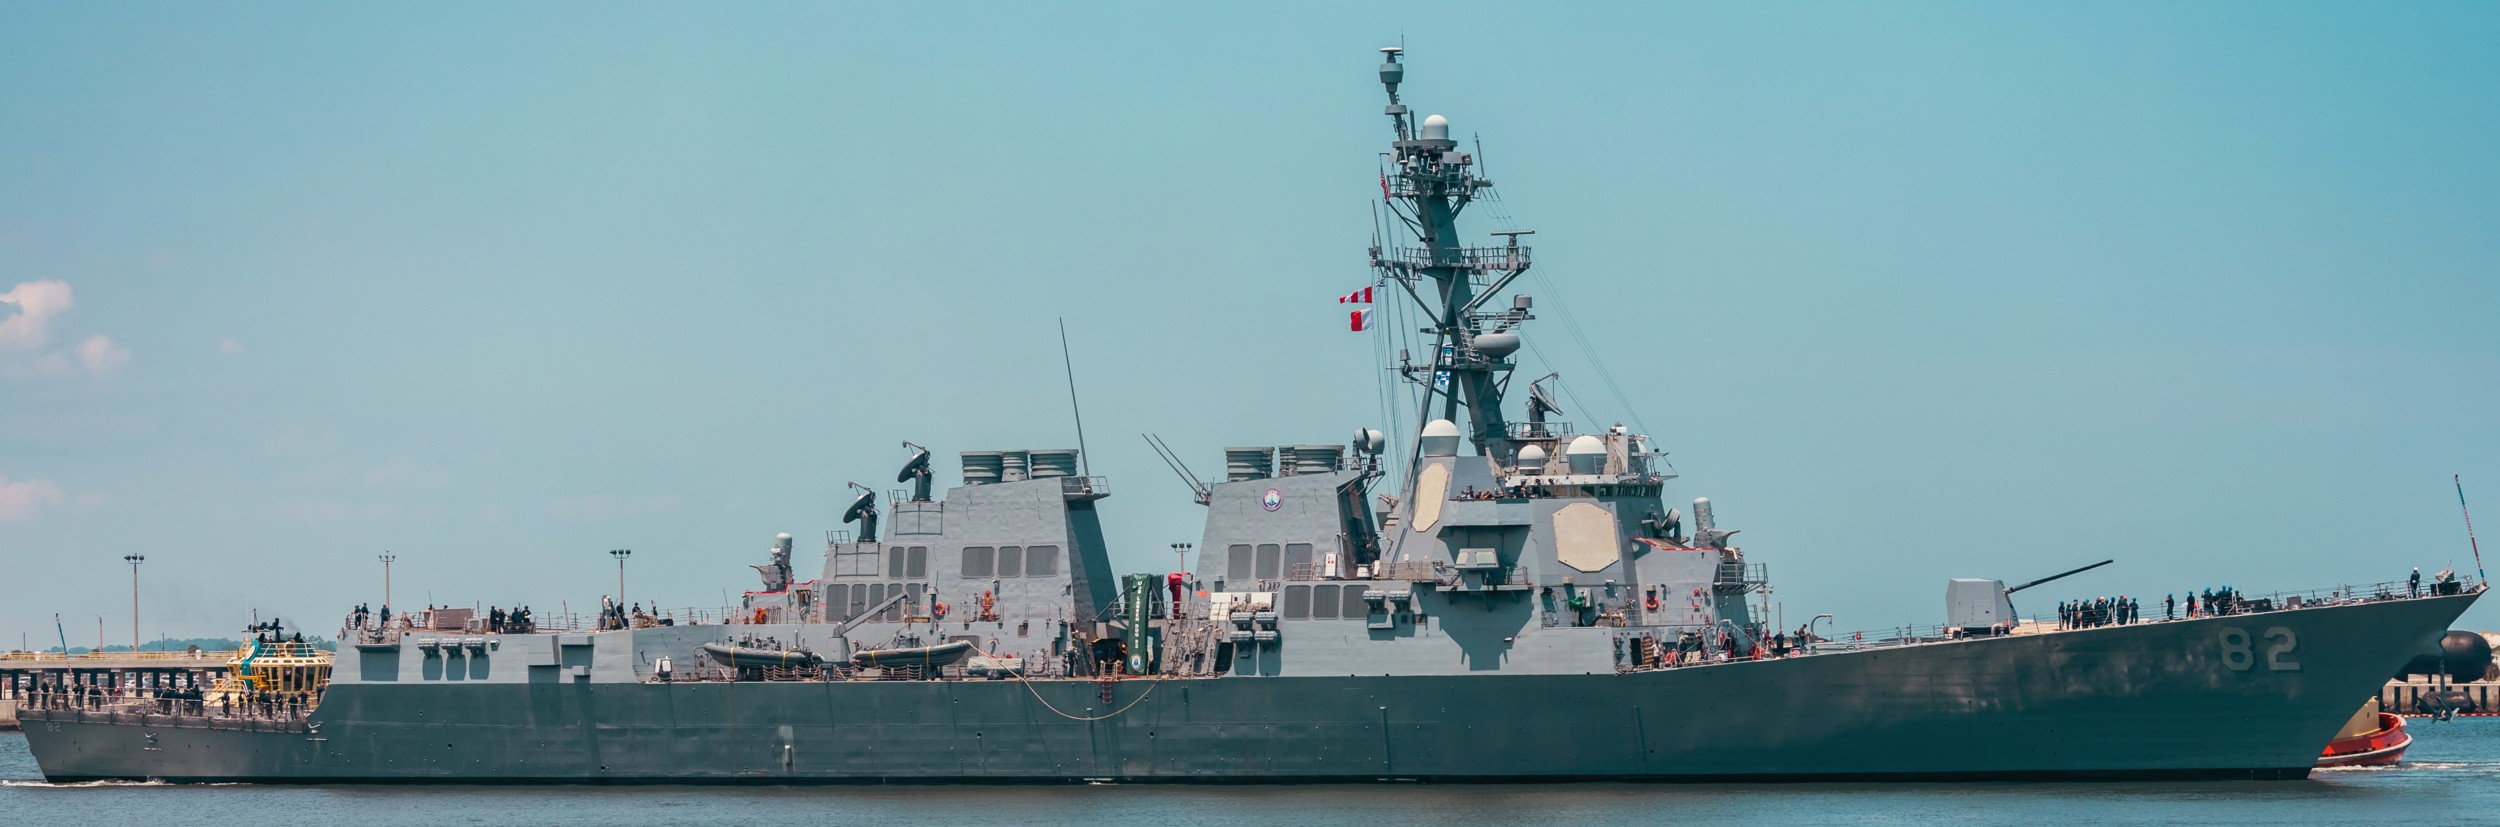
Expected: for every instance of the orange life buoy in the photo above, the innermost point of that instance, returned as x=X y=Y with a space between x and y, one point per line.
x=938 y=610
x=1653 y=601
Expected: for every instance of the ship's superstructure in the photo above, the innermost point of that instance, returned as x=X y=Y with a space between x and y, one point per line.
x=1500 y=599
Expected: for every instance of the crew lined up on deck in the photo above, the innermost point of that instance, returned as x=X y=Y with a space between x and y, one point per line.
x=190 y=700
x=2099 y=611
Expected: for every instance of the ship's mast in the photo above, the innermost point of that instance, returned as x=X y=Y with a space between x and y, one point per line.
x=1429 y=182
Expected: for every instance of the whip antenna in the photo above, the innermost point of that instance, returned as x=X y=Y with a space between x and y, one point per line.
x=1084 y=459
x=2469 y=530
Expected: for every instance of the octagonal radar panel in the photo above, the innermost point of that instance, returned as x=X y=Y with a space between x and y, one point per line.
x=1584 y=537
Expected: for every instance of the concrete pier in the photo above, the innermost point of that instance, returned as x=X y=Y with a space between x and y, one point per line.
x=124 y=674
x=2403 y=696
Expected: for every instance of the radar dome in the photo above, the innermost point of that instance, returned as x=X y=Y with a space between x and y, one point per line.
x=1532 y=460
x=1587 y=455
x=1497 y=345
x=784 y=536
x=1440 y=438
x=1436 y=128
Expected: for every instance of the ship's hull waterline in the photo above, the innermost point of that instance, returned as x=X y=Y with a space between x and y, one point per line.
x=2220 y=697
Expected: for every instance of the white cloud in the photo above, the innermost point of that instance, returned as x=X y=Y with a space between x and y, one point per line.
x=101 y=356
x=36 y=302
x=26 y=336
x=230 y=346
x=19 y=501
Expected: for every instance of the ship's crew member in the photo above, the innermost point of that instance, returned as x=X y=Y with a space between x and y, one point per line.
x=2413 y=585
x=2061 y=614
x=2168 y=604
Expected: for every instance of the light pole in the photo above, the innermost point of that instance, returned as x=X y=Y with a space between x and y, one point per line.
x=620 y=554
x=134 y=559
x=1181 y=550
x=99 y=635
x=386 y=558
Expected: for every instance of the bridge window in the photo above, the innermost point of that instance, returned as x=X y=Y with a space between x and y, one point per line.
x=1011 y=561
x=919 y=567
x=1269 y=556
x=894 y=613
x=1297 y=602
x=1353 y=605
x=854 y=560
x=978 y=560
x=1298 y=562
x=895 y=561
x=1041 y=561
x=1237 y=563
x=1324 y=606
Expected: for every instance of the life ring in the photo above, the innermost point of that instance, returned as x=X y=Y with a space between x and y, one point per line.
x=1653 y=601
x=938 y=609
x=759 y=617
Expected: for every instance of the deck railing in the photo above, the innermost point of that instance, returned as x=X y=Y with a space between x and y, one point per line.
x=2150 y=612
x=219 y=655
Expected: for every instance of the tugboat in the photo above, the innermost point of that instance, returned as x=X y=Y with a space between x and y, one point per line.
x=2373 y=738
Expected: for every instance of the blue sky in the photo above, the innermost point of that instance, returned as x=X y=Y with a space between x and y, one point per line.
x=1912 y=291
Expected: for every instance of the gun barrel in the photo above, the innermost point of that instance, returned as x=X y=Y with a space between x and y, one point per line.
x=2059 y=575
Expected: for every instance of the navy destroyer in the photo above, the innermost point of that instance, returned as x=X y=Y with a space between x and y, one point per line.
x=1490 y=598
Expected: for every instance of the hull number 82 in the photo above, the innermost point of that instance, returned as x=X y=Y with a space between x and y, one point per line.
x=2274 y=649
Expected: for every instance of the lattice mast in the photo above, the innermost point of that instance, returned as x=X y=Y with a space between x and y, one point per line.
x=1428 y=183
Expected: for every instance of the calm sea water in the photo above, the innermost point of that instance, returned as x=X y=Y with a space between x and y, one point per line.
x=2452 y=776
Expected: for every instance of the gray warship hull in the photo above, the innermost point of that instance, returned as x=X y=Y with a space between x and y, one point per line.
x=2180 y=699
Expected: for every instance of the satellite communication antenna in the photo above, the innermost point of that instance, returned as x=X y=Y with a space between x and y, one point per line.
x=916 y=471
x=1540 y=400
x=864 y=512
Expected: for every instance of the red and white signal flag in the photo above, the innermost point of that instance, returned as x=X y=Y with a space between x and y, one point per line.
x=1359 y=320
x=1363 y=296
